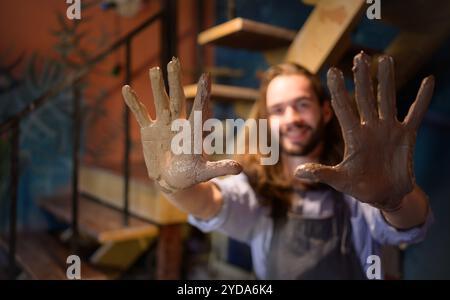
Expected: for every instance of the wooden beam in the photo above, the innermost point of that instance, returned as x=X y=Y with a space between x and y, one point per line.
x=247 y=34
x=120 y=255
x=324 y=37
x=169 y=253
x=225 y=92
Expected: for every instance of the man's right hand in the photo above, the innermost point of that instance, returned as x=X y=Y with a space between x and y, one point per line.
x=174 y=172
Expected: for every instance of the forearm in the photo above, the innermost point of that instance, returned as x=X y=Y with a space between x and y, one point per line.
x=202 y=200
x=412 y=212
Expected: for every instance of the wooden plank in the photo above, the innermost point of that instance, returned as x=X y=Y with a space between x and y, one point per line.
x=42 y=257
x=102 y=223
x=247 y=34
x=120 y=255
x=324 y=37
x=144 y=199
x=222 y=92
x=169 y=253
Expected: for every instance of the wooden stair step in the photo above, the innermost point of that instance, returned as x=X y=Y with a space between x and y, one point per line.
x=43 y=257
x=247 y=34
x=222 y=92
x=98 y=221
x=325 y=36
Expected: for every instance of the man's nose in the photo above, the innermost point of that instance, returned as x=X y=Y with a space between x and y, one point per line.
x=291 y=115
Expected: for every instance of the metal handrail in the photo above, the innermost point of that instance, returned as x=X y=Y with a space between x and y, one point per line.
x=76 y=75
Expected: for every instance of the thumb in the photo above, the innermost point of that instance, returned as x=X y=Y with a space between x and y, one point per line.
x=317 y=173
x=212 y=169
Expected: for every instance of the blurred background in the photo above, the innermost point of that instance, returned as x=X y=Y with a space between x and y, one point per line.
x=72 y=175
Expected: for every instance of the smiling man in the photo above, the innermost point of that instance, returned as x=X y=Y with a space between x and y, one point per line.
x=320 y=212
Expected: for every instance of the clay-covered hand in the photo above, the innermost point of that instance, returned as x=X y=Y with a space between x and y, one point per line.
x=377 y=167
x=173 y=172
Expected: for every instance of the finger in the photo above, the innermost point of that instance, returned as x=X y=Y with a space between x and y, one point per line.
x=201 y=98
x=318 y=173
x=159 y=95
x=177 y=98
x=340 y=100
x=137 y=107
x=364 y=95
x=419 y=107
x=386 y=89
x=213 y=169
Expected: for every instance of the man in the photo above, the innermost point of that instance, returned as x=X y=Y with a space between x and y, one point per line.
x=298 y=228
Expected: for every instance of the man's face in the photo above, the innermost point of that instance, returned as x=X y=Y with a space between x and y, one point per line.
x=291 y=101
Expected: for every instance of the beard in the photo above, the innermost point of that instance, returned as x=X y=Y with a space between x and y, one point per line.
x=306 y=147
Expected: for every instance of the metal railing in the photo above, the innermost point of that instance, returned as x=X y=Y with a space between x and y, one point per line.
x=167 y=15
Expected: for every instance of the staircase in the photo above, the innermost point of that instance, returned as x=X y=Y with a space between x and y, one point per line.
x=107 y=218
x=43 y=257
x=97 y=221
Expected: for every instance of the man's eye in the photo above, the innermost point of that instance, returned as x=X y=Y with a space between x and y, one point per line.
x=302 y=105
x=277 y=110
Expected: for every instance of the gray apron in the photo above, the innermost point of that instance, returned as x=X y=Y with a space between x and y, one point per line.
x=314 y=248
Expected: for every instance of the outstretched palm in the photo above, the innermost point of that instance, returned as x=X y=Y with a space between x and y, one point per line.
x=173 y=172
x=377 y=164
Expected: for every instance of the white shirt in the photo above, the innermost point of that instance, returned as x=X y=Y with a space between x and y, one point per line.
x=243 y=218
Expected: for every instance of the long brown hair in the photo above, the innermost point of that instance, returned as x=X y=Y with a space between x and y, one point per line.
x=273 y=187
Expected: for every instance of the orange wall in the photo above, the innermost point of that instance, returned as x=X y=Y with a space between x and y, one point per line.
x=26 y=25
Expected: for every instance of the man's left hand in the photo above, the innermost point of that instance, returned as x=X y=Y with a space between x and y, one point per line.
x=377 y=167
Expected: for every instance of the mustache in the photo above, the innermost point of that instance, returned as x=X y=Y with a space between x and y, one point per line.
x=293 y=126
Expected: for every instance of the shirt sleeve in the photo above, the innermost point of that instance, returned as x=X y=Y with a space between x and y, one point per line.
x=239 y=212
x=385 y=233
